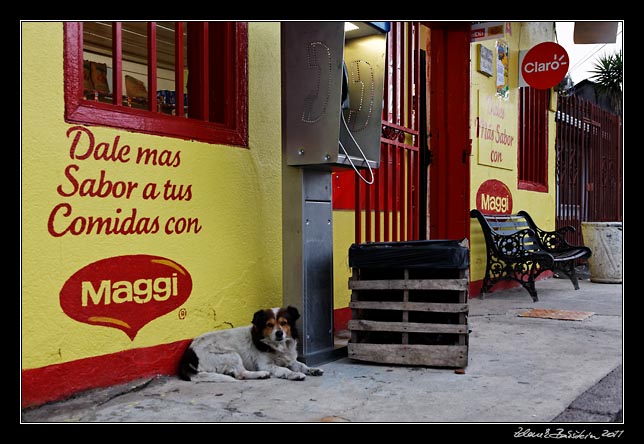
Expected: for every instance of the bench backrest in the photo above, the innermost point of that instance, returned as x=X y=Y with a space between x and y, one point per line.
x=507 y=224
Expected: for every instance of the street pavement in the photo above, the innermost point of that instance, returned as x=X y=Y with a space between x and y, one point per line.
x=529 y=372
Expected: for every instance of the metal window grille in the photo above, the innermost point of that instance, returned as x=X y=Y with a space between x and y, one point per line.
x=211 y=58
x=533 y=139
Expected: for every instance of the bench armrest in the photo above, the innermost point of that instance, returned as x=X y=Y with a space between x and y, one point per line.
x=551 y=241
x=513 y=245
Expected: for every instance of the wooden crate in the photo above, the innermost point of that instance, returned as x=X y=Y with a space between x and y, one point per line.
x=411 y=316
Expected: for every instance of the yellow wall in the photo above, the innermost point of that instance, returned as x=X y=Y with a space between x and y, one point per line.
x=343 y=238
x=234 y=260
x=489 y=107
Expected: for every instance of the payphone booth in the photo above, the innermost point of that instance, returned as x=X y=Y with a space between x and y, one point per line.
x=332 y=95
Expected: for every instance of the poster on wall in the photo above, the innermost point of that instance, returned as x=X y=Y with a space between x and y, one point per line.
x=484 y=60
x=502 y=69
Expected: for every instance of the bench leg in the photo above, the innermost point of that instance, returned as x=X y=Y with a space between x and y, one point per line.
x=568 y=268
x=486 y=286
x=529 y=285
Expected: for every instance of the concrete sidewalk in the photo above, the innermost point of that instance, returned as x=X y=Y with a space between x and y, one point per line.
x=521 y=370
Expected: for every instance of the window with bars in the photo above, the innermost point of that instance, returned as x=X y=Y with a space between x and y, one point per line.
x=177 y=79
x=533 y=139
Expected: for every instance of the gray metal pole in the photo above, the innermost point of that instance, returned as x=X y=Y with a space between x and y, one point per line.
x=307 y=235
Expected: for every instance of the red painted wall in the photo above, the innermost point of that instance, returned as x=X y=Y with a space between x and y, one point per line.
x=60 y=381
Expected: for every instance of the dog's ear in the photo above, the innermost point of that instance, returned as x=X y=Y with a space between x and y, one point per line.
x=292 y=311
x=259 y=319
x=293 y=316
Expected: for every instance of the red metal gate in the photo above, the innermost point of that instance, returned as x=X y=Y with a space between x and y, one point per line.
x=388 y=209
x=589 y=171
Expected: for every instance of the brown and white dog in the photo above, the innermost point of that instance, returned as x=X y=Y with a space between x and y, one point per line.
x=266 y=348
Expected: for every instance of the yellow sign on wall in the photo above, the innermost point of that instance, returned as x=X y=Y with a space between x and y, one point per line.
x=496 y=137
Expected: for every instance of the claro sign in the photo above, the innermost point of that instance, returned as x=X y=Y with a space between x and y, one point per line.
x=125 y=292
x=544 y=65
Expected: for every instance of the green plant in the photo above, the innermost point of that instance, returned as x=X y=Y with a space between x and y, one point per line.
x=608 y=76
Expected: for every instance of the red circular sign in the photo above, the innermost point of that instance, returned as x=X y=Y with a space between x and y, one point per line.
x=494 y=197
x=545 y=65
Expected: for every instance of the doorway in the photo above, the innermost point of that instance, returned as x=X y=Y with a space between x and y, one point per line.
x=448 y=145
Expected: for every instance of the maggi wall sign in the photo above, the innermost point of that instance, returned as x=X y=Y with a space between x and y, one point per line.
x=494 y=197
x=125 y=292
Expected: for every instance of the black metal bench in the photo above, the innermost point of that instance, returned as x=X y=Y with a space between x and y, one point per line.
x=519 y=250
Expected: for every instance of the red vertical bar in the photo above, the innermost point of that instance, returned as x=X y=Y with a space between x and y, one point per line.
x=404 y=200
x=411 y=68
x=205 y=84
x=117 y=63
x=178 y=67
x=417 y=113
x=522 y=141
x=152 y=66
x=410 y=194
x=377 y=209
x=532 y=133
x=198 y=84
x=230 y=61
x=394 y=194
x=403 y=95
x=528 y=136
x=398 y=73
x=393 y=81
x=542 y=129
x=387 y=110
x=386 y=164
x=417 y=125
x=538 y=152
x=357 y=211
x=367 y=211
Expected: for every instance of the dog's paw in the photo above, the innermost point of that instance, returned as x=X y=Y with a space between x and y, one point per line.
x=255 y=375
x=297 y=376
x=315 y=372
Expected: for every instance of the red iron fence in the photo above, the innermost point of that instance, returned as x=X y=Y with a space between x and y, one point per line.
x=589 y=169
x=388 y=210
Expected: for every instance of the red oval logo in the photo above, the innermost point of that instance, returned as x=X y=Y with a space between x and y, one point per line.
x=545 y=65
x=125 y=292
x=494 y=197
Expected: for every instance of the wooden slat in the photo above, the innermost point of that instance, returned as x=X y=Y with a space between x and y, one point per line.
x=410 y=354
x=411 y=306
x=409 y=284
x=407 y=327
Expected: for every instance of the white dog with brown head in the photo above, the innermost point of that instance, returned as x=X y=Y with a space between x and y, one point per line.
x=266 y=348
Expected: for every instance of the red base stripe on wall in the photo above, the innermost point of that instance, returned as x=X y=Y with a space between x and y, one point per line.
x=60 y=381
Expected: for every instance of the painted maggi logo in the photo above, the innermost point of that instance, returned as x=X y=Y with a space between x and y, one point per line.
x=125 y=292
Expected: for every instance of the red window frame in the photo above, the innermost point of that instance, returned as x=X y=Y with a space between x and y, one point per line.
x=532 y=156
x=231 y=125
